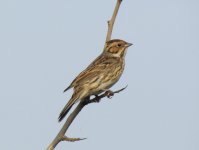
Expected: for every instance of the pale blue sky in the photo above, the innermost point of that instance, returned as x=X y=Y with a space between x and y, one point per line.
x=44 y=44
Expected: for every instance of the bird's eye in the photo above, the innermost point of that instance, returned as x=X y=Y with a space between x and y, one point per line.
x=119 y=45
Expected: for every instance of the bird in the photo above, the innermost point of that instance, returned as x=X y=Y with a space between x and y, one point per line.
x=100 y=75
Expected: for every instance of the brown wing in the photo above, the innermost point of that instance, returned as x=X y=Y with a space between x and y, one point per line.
x=93 y=70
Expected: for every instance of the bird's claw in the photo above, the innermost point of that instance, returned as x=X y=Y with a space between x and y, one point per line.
x=109 y=94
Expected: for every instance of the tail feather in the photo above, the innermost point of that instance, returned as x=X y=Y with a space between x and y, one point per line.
x=66 y=108
x=67 y=88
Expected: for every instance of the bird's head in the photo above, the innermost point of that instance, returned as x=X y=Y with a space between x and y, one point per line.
x=116 y=48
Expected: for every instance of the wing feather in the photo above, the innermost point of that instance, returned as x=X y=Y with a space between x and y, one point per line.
x=98 y=66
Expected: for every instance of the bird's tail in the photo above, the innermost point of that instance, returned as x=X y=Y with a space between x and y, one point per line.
x=67 y=107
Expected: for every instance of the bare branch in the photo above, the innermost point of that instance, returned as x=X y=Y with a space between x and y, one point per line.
x=112 y=21
x=61 y=135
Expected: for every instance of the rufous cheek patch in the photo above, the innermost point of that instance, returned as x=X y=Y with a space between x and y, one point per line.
x=113 y=50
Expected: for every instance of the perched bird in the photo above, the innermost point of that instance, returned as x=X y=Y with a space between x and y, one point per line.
x=100 y=75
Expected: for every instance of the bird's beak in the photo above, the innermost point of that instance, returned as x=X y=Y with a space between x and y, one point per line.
x=128 y=44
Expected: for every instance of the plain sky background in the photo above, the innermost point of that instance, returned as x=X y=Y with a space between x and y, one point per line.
x=44 y=44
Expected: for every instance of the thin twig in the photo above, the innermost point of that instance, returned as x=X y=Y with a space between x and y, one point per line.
x=112 y=21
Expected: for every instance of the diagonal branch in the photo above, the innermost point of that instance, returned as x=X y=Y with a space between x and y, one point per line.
x=61 y=135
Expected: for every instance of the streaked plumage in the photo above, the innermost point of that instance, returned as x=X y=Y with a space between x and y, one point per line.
x=100 y=75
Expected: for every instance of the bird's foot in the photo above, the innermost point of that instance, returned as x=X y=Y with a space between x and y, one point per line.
x=109 y=94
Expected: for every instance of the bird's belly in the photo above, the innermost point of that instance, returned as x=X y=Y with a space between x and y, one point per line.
x=107 y=85
x=102 y=87
x=102 y=84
